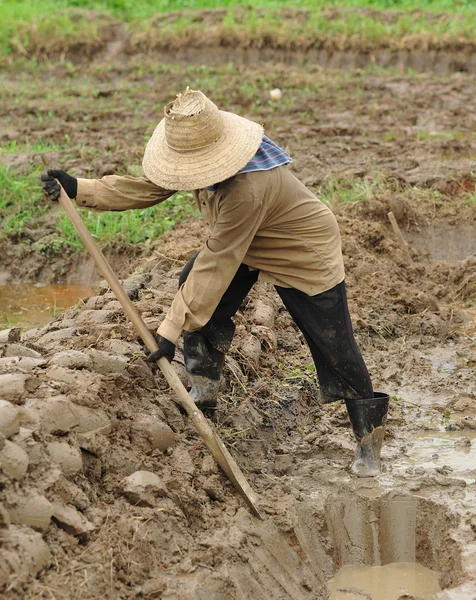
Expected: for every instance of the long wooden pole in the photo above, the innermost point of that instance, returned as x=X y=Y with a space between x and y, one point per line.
x=205 y=429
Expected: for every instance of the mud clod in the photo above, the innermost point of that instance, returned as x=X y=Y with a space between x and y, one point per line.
x=56 y=414
x=143 y=487
x=10 y=335
x=13 y=387
x=72 y=521
x=152 y=434
x=72 y=359
x=263 y=314
x=9 y=419
x=67 y=457
x=13 y=460
x=35 y=511
x=91 y=420
x=25 y=555
x=20 y=350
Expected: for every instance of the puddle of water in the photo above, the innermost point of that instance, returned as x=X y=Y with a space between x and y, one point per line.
x=27 y=306
x=383 y=583
x=432 y=449
x=444 y=243
x=470 y=326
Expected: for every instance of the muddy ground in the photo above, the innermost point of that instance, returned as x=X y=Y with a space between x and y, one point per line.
x=83 y=416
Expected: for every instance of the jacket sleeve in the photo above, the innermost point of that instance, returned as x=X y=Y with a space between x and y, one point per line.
x=119 y=193
x=240 y=214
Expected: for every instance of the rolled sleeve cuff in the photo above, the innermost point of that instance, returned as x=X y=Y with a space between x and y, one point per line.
x=86 y=196
x=169 y=330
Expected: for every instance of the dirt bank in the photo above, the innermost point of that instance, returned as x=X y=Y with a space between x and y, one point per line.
x=334 y=37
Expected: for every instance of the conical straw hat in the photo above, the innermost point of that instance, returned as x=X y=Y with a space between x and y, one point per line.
x=196 y=145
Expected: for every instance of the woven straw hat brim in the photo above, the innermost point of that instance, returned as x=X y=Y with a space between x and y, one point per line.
x=196 y=169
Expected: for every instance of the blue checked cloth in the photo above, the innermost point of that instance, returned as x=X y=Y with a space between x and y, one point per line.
x=269 y=156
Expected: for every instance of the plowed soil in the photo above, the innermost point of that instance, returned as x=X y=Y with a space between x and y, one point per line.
x=84 y=416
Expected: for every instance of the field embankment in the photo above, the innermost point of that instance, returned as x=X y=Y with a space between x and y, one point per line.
x=325 y=34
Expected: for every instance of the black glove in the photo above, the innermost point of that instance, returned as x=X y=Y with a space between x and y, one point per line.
x=51 y=186
x=166 y=349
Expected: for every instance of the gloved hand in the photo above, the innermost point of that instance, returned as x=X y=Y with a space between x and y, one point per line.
x=51 y=186
x=166 y=349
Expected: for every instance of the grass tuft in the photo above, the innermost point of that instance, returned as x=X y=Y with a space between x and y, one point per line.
x=349 y=191
x=21 y=201
x=23 y=207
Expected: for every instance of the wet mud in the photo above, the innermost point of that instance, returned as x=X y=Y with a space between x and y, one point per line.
x=101 y=471
x=105 y=489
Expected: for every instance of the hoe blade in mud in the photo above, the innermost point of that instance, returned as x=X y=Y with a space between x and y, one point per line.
x=204 y=428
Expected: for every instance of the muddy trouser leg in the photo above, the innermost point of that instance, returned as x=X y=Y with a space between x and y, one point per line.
x=325 y=322
x=204 y=349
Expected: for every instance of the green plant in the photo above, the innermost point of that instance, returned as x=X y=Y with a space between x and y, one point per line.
x=350 y=191
x=446 y=415
x=470 y=199
x=298 y=373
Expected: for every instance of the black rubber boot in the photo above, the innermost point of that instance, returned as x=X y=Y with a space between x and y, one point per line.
x=368 y=417
x=204 y=365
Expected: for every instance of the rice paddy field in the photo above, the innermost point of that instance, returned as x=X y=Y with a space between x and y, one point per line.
x=377 y=107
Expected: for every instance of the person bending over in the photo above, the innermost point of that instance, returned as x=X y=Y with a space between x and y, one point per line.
x=263 y=224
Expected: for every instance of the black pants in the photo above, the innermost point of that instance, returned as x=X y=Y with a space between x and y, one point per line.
x=323 y=319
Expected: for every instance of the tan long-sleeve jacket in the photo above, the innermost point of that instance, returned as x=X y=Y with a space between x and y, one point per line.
x=267 y=220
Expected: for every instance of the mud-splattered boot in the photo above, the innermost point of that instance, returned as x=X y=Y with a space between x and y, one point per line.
x=204 y=391
x=204 y=365
x=368 y=418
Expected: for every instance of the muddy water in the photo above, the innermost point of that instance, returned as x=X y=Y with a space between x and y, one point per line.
x=27 y=305
x=389 y=582
x=444 y=243
x=435 y=449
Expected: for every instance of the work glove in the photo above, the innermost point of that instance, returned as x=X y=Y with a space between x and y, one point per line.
x=51 y=187
x=166 y=349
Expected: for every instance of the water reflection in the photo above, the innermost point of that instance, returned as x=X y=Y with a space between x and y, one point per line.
x=30 y=305
x=389 y=582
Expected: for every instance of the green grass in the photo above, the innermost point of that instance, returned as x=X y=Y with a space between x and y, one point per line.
x=470 y=200
x=22 y=204
x=131 y=226
x=350 y=191
x=138 y=9
x=13 y=147
x=29 y=27
x=20 y=201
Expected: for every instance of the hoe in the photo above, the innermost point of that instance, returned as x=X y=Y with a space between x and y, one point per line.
x=204 y=428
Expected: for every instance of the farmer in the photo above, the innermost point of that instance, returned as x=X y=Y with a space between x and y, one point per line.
x=264 y=224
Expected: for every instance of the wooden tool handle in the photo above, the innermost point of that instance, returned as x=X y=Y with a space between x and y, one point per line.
x=205 y=429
